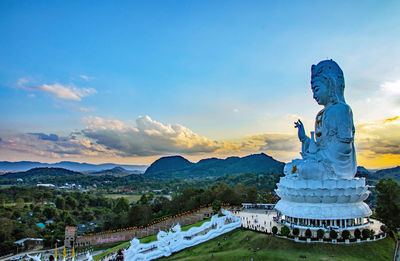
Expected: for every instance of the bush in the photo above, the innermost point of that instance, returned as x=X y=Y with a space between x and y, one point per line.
x=345 y=234
x=285 y=231
x=274 y=230
x=308 y=233
x=320 y=233
x=333 y=234
x=384 y=228
x=357 y=233
x=366 y=233
x=372 y=233
x=296 y=231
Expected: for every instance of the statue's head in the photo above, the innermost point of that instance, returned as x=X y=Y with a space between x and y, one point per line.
x=327 y=82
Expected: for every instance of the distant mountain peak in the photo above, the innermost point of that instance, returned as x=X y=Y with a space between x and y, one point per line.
x=168 y=163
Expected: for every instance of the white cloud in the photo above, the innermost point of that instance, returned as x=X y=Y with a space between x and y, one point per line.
x=86 y=109
x=85 y=77
x=235 y=110
x=391 y=87
x=67 y=92
x=145 y=137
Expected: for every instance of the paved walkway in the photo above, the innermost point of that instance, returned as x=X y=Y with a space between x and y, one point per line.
x=258 y=219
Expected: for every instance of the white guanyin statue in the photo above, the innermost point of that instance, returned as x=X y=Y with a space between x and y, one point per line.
x=330 y=154
x=321 y=190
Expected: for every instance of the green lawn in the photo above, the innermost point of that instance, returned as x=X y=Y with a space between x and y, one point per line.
x=236 y=247
x=130 y=198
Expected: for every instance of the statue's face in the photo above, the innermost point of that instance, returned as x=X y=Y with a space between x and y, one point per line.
x=320 y=92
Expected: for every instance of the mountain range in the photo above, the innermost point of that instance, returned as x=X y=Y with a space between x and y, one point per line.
x=179 y=167
x=6 y=166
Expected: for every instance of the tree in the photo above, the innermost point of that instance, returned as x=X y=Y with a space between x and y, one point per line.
x=308 y=233
x=357 y=233
x=285 y=231
x=345 y=234
x=19 y=203
x=252 y=194
x=50 y=212
x=135 y=215
x=71 y=202
x=320 y=233
x=121 y=206
x=296 y=231
x=388 y=202
x=60 y=203
x=333 y=234
x=372 y=233
x=216 y=205
x=274 y=230
x=69 y=220
x=366 y=233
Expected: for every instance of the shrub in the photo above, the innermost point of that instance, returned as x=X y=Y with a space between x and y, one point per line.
x=384 y=228
x=285 y=231
x=333 y=234
x=357 y=233
x=372 y=233
x=274 y=230
x=345 y=234
x=308 y=233
x=366 y=233
x=296 y=231
x=320 y=233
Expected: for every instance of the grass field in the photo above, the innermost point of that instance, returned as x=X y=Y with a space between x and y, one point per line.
x=130 y=198
x=236 y=247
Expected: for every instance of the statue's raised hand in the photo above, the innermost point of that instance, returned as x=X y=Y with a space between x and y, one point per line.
x=301 y=132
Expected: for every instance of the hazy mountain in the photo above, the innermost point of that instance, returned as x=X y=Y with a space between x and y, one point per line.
x=177 y=166
x=373 y=177
x=117 y=171
x=74 y=166
x=391 y=173
x=41 y=172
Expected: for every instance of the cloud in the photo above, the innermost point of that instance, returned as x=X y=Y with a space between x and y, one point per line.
x=235 y=110
x=391 y=119
x=379 y=138
x=86 y=109
x=391 y=87
x=67 y=92
x=43 y=136
x=274 y=142
x=85 y=77
x=53 y=146
x=147 y=138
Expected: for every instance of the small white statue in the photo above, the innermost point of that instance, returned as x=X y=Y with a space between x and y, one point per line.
x=330 y=154
x=89 y=256
x=35 y=258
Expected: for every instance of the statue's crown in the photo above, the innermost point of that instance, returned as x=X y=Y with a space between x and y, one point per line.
x=327 y=67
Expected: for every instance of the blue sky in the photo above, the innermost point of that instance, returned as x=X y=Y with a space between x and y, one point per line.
x=233 y=74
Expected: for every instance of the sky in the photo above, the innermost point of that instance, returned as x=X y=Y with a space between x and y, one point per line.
x=131 y=81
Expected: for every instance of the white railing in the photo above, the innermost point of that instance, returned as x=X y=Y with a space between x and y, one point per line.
x=176 y=240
